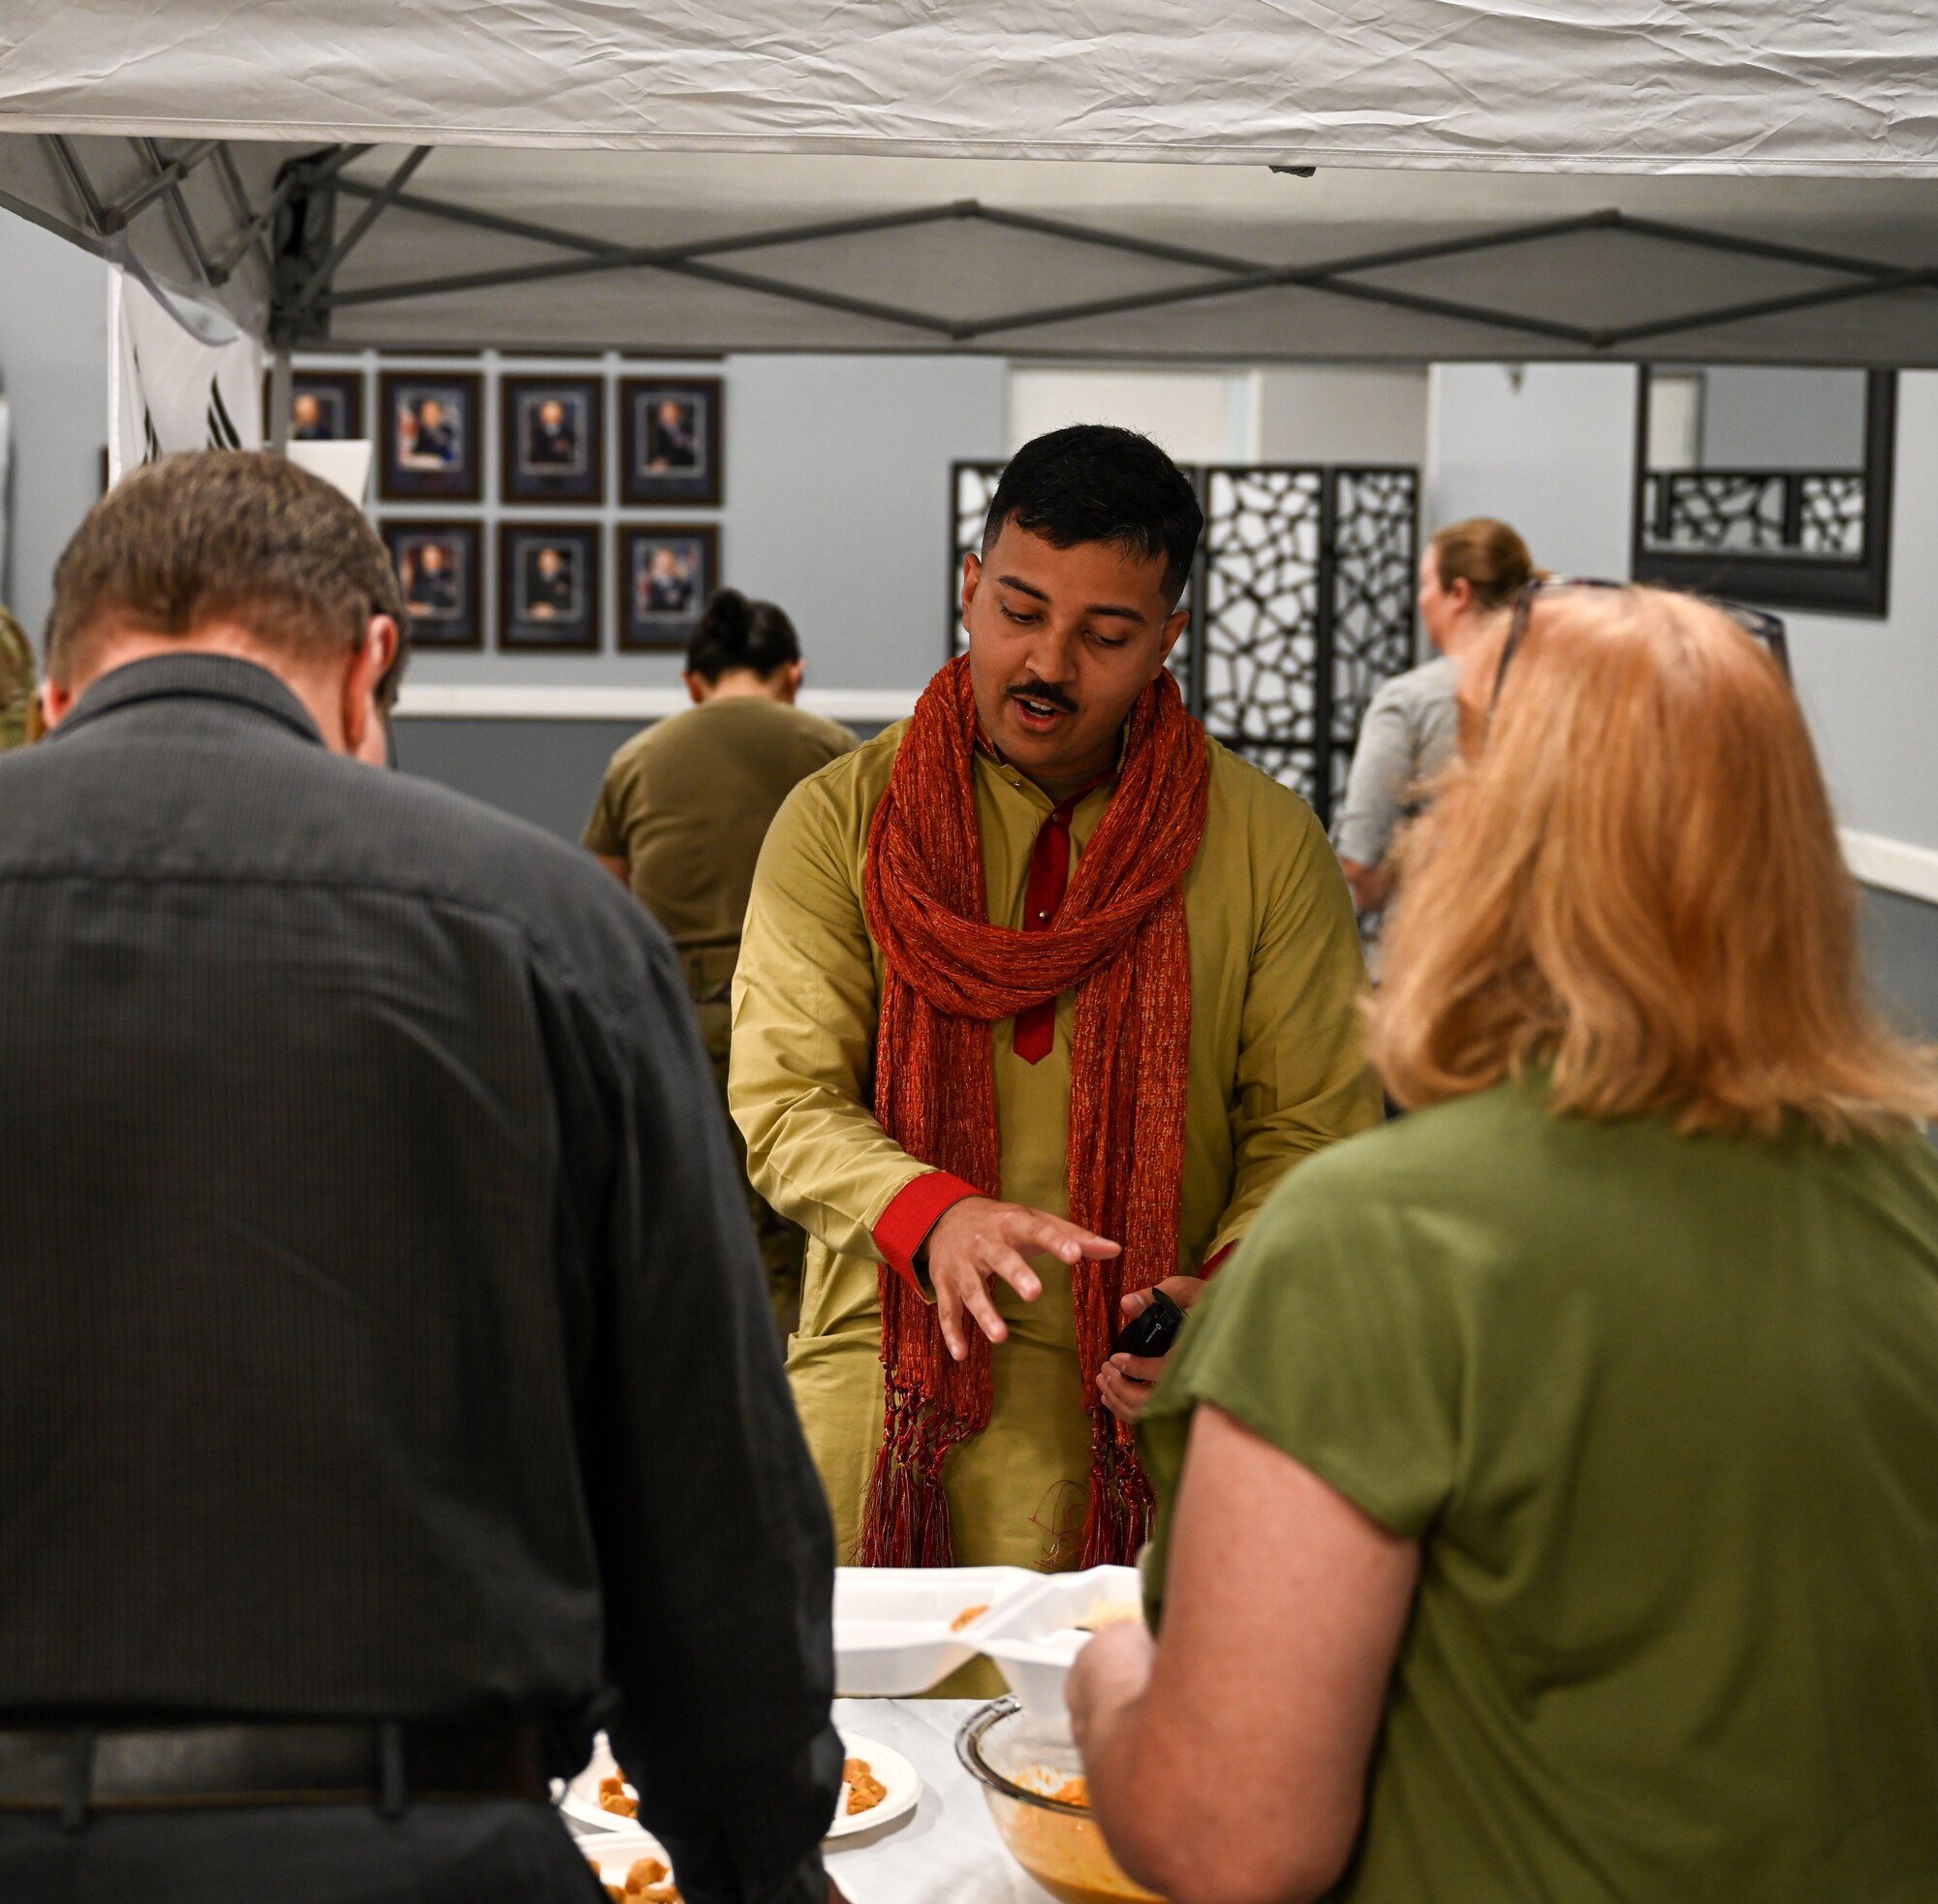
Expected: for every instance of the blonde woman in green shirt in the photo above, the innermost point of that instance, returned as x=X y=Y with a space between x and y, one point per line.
x=1551 y=1481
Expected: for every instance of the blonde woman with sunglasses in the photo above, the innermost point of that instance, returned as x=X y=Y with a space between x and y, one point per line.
x=1551 y=1481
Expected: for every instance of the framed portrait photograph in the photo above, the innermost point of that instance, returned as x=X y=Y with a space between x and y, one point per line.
x=325 y=406
x=432 y=435
x=667 y=572
x=551 y=443
x=439 y=570
x=549 y=586
x=670 y=440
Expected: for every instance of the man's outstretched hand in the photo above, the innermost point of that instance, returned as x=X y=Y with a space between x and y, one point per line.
x=978 y=1239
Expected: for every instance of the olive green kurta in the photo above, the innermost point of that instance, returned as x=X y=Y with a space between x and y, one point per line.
x=1276 y=1071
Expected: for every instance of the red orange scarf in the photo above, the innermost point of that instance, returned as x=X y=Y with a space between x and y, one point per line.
x=1120 y=939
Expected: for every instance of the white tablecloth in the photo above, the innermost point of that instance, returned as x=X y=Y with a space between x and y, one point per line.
x=944 y=1851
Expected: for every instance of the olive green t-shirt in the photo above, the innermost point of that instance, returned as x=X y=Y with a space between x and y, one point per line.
x=687 y=802
x=1663 y=1413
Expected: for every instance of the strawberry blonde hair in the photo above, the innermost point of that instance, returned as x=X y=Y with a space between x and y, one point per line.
x=1635 y=884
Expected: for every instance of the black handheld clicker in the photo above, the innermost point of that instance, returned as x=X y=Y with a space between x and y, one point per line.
x=1153 y=1331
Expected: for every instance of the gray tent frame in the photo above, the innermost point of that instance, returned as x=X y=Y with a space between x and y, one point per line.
x=292 y=234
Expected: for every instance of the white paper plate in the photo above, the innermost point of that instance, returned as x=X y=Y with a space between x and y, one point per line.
x=581 y=1801
x=581 y=1795
x=903 y=1781
x=612 y=1854
x=894 y=1631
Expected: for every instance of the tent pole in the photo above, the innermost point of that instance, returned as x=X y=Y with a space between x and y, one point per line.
x=385 y=195
x=281 y=380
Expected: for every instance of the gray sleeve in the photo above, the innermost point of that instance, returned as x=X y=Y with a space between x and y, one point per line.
x=1376 y=788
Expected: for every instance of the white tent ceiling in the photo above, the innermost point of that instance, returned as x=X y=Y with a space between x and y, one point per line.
x=1625 y=178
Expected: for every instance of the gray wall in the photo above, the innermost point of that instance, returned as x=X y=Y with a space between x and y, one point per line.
x=1549 y=447
x=548 y=772
x=1871 y=686
x=545 y=771
x=1756 y=417
x=1556 y=459
x=836 y=504
x=1333 y=414
x=54 y=372
x=1901 y=941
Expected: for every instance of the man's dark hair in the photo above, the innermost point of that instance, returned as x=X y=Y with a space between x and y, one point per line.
x=224 y=534
x=736 y=633
x=1096 y=483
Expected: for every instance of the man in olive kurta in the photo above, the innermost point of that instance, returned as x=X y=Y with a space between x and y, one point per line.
x=1275 y=1066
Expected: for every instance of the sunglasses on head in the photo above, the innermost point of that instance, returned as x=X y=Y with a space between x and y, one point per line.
x=1769 y=628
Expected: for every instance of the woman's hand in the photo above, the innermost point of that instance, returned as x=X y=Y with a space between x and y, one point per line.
x=1125 y=1381
x=1111 y=1675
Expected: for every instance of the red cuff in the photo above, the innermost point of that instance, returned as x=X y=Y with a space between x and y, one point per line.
x=1213 y=1263
x=911 y=1215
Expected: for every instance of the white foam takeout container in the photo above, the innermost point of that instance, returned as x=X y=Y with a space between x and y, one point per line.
x=893 y=1625
x=1034 y=1638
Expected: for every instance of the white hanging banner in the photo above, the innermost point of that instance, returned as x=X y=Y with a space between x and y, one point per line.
x=172 y=388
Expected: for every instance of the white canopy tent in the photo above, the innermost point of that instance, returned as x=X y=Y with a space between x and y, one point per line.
x=1583 y=178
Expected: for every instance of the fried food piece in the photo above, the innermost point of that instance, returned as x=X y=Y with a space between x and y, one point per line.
x=1110 y=1613
x=967 y=1614
x=864 y=1790
x=618 y=1895
x=1074 y=1791
x=650 y=1881
x=612 y=1796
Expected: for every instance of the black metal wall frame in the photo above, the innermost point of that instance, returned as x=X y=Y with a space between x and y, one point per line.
x=1831 y=585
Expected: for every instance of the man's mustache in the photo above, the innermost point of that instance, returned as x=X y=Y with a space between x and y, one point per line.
x=1034 y=690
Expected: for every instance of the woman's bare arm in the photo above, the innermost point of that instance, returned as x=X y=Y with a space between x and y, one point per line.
x=1227 y=1764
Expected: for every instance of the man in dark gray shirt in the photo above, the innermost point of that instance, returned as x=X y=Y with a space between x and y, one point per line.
x=388 y=1394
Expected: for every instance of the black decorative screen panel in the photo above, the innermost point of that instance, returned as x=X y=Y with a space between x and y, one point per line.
x=1375 y=524
x=1264 y=684
x=1301 y=607
x=1775 y=512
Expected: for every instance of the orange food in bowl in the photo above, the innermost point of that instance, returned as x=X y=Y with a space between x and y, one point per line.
x=1033 y=1781
x=1066 y=1854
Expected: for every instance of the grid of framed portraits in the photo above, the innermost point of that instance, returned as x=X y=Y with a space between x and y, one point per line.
x=551 y=441
x=438 y=565
x=325 y=406
x=430 y=435
x=509 y=484
x=670 y=441
x=666 y=570
x=549 y=586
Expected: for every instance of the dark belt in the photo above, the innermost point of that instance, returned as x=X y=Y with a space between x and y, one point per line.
x=75 y=1769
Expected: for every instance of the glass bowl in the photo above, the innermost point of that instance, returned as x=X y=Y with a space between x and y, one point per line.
x=1020 y=1763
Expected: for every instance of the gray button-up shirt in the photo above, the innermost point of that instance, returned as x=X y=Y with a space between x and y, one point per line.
x=383 y=1332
